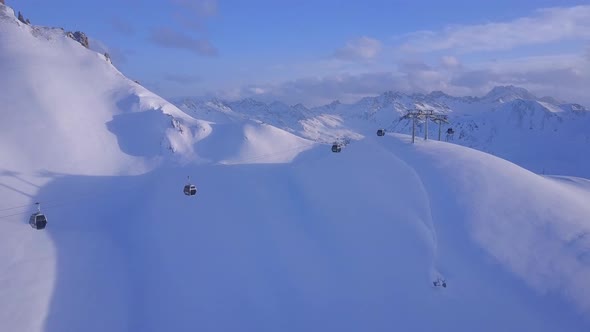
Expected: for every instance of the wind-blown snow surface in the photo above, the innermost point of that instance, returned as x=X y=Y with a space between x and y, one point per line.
x=283 y=235
x=347 y=241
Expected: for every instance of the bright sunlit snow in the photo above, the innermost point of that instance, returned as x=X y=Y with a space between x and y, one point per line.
x=282 y=235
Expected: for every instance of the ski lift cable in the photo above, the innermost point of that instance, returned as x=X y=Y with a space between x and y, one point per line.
x=33 y=204
x=60 y=203
x=16 y=207
x=26 y=205
x=53 y=203
x=45 y=207
x=15 y=214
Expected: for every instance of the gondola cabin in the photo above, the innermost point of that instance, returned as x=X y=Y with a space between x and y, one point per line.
x=381 y=132
x=190 y=189
x=336 y=148
x=440 y=282
x=38 y=220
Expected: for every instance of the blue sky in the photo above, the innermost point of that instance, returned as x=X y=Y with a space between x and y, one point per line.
x=317 y=51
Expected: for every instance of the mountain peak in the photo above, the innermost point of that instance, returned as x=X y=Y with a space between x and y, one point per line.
x=437 y=94
x=391 y=94
x=251 y=102
x=504 y=93
x=299 y=107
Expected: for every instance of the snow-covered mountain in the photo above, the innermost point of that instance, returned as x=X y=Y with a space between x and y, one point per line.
x=59 y=94
x=541 y=134
x=283 y=234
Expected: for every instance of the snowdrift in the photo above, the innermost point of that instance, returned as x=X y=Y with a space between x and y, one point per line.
x=283 y=234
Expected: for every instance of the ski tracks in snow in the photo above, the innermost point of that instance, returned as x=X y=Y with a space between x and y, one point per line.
x=425 y=221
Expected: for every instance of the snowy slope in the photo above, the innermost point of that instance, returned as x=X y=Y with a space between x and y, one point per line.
x=348 y=241
x=65 y=110
x=535 y=226
x=65 y=95
x=283 y=235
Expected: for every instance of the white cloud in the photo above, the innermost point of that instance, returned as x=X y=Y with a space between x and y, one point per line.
x=200 y=8
x=315 y=91
x=166 y=37
x=181 y=78
x=122 y=26
x=192 y=13
x=363 y=48
x=561 y=76
x=367 y=72
x=191 y=16
x=544 y=26
x=257 y=90
x=450 y=61
x=118 y=56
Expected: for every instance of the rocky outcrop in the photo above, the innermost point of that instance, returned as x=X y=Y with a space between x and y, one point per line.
x=80 y=37
x=22 y=19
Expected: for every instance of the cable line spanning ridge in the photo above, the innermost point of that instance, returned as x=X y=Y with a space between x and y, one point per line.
x=38 y=220
x=52 y=203
x=336 y=147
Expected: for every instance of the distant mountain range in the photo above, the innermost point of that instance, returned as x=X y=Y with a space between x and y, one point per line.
x=542 y=134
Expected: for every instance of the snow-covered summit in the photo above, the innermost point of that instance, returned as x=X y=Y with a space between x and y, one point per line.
x=71 y=97
x=508 y=93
